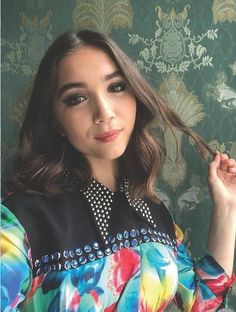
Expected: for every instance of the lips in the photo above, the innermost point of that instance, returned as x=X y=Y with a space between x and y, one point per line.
x=108 y=136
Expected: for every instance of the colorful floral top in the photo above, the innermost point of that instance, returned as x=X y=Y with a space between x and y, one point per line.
x=96 y=250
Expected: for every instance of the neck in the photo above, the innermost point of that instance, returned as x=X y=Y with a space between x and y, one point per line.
x=104 y=171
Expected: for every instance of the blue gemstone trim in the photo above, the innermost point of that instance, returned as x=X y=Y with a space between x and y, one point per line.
x=100 y=254
x=45 y=259
x=72 y=259
x=78 y=251
x=96 y=245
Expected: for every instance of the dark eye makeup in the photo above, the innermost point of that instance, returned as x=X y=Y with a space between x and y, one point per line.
x=118 y=86
x=73 y=99
x=76 y=99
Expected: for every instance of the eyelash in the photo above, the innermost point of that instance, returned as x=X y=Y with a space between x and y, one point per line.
x=76 y=99
x=120 y=84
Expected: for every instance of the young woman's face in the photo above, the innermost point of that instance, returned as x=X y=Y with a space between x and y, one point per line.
x=93 y=105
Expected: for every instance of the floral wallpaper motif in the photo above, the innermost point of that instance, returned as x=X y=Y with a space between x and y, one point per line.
x=102 y=15
x=173 y=48
x=224 y=11
x=24 y=55
x=186 y=49
x=187 y=105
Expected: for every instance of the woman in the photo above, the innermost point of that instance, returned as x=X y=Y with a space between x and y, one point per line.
x=83 y=229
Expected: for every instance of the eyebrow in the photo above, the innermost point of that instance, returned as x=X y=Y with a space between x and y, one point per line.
x=81 y=84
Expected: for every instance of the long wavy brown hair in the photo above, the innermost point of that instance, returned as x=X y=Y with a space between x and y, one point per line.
x=48 y=164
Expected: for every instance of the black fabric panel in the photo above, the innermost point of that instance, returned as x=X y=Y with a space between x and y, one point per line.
x=65 y=222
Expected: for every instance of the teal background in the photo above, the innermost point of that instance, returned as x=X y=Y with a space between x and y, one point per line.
x=200 y=85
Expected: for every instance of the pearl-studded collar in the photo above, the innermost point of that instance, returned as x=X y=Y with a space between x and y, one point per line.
x=100 y=200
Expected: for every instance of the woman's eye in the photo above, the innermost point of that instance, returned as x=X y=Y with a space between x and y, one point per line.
x=118 y=87
x=73 y=100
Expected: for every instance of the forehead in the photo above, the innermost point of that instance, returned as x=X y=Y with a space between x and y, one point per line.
x=84 y=63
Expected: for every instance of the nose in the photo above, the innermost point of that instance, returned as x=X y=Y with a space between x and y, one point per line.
x=103 y=111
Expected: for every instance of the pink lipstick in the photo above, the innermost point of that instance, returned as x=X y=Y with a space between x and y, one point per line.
x=108 y=136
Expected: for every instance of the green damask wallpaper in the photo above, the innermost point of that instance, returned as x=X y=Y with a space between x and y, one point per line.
x=186 y=49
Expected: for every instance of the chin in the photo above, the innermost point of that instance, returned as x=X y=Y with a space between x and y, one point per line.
x=112 y=154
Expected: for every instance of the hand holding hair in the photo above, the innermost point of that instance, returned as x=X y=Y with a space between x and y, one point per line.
x=222 y=185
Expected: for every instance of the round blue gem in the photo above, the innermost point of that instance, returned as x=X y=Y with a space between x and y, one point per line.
x=144 y=231
x=146 y=238
x=126 y=234
x=72 y=253
x=56 y=256
x=66 y=254
x=82 y=260
x=133 y=233
x=150 y=231
x=95 y=245
x=108 y=251
x=67 y=265
x=45 y=259
x=119 y=236
x=111 y=239
x=87 y=248
x=37 y=263
x=91 y=257
x=100 y=254
x=115 y=248
x=78 y=251
x=47 y=268
x=74 y=263
x=127 y=244
x=134 y=242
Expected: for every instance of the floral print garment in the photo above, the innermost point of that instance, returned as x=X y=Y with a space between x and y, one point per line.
x=144 y=278
x=143 y=271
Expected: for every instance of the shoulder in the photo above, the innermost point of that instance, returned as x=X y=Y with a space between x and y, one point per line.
x=162 y=216
x=35 y=210
x=159 y=210
x=21 y=203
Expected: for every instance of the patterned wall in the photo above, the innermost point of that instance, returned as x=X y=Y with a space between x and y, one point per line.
x=187 y=50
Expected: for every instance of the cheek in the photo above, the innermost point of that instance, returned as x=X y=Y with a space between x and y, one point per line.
x=72 y=127
x=130 y=113
x=73 y=122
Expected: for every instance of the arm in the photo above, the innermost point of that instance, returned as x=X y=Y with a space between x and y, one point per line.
x=203 y=285
x=222 y=184
x=15 y=262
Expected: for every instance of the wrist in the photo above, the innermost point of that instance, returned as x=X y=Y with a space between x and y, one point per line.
x=224 y=212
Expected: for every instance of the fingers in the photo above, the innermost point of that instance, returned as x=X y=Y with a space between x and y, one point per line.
x=227 y=164
x=232 y=171
x=223 y=163
x=213 y=167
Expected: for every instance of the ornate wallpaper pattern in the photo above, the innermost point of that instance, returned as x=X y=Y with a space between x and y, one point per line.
x=186 y=49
